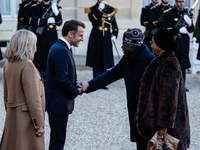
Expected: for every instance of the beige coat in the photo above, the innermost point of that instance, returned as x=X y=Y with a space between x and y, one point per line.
x=24 y=100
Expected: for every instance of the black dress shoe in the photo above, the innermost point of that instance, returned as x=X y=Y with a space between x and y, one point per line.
x=104 y=88
x=187 y=90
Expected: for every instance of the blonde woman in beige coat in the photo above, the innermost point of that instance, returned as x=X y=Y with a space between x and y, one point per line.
x=24 y=97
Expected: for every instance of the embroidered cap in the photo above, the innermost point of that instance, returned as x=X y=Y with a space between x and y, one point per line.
x=133 y=36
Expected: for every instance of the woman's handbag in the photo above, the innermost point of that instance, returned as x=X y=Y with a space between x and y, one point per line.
x=158 y=143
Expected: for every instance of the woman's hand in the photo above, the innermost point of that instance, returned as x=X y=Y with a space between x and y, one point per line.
x=39 y=132
x=162 y=132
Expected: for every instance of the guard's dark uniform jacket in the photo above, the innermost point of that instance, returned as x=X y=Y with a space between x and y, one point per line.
x=100 y=45
x=21 y=15
x=0 y=19
x=145 y=21
x=28 y=14
x=156 y=16
x=145 y=16
x=170 y=22
x=49 y=36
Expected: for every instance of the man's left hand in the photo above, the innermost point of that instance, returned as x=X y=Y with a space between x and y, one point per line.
x=82 y=85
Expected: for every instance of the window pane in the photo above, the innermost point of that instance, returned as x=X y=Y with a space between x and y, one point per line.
x=146 y=2
x=187 y=4
x=5 y=7
x=17 y=6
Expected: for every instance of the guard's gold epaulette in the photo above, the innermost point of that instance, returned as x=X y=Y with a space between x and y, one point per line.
x=144 y=6
x=167 y=10
x=87 y=10
x=116 y=10
x=152 y=7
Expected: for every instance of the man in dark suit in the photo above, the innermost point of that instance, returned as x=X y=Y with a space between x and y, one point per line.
x=61 y=86
x=136 y=58
x=100 y=53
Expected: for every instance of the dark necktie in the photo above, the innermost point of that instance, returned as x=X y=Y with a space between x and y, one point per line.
x=70 y=50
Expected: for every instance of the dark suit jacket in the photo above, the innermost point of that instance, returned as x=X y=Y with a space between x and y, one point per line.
x=61 y=79
x=131 y=69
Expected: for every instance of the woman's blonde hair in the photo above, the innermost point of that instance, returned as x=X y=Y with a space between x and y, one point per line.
x=22 y=46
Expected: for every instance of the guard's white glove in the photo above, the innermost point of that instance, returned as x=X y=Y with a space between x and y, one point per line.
x=51 y=20
x=55 y=9
x=183 y=30
x=113 y=38
x=101 y=6
x=187 y=20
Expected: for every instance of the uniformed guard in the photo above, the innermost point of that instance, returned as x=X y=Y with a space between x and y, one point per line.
x=156 y=16
x=25 y=13
x=144 y=21
x=47 y=33
x=28 y=14
x=21 y=14
x=179 y=21
x=99 y=53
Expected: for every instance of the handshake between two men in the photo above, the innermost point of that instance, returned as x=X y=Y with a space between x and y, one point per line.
x=82 y=86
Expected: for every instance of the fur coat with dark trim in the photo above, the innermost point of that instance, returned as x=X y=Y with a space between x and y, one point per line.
x=162 y=100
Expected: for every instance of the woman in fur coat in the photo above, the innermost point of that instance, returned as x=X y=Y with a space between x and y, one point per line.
x=162 y=104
